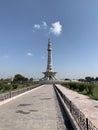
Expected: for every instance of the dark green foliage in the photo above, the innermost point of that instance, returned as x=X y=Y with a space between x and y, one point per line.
x=18 y=82
x=72 y=85
x=5 y=87
x=19 y=79
x=31 y=79
x=78 y=86
x=67 y=79
x=89 y=88
x=89 y=79
x=82 y=80
x=15 y=86
x=96 y=78
x=1 y=86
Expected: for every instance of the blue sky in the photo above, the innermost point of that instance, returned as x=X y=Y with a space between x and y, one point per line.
x=26 y=25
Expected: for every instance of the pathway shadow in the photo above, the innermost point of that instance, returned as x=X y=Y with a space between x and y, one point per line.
x=22 y=112
x=24 y=105
x=96 y=106
x=45 y=98
x=33 y=110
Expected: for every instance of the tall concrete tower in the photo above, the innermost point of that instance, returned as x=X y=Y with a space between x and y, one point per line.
x=49 y=74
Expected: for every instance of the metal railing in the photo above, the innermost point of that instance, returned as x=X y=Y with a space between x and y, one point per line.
x=11 y=94
x=83 y=122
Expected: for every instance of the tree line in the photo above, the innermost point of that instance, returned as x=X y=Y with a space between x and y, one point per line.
x=89 y=79
x=86 y=79
x=19 y=81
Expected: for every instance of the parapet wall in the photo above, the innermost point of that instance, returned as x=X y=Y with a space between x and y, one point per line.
x=52 y=81
x=77 y=118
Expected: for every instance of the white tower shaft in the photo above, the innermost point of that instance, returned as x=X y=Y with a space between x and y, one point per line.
x=49 y=74
x=49 y=63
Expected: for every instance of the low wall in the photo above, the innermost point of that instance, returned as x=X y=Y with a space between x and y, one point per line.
x=11 y=94
x=52 y=81
x=77 y=118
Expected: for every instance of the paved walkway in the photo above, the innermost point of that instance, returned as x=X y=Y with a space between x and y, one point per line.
x=88 y=106
x=36 y=110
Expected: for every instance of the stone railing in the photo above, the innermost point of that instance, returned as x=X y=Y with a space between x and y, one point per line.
x=83 y=122
x=11 y=94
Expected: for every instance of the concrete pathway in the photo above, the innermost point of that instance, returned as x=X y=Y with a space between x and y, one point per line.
x=36 y=110
x=88 y=106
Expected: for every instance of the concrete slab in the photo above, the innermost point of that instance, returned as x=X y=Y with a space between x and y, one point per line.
x=36 y=110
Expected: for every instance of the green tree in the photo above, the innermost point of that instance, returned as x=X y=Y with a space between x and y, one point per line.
x=19 y=78
x=82 y=80
x=31 y=79
x=89 y=79
x=96 y=78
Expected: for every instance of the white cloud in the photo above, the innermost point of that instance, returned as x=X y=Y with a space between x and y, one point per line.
x=44 y=25
x=56 y=28
x=29 y=54
x=40 y=26
x=37 y=26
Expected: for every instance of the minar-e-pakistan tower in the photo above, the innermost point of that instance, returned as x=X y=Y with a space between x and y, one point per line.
x=49 y=74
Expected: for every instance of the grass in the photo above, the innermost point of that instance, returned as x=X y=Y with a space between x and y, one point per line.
x=11 y=87
x=95 y=93
x=93 y=96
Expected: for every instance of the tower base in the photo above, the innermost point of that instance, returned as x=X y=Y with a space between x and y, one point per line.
x=49 y=75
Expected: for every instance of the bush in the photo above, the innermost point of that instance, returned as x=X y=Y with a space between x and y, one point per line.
x=81 y=86
x=15 y=86
x=65 y=84
x=1 y=86
x=84 y=88
x=72 y=85
x=89 y=88
x=7 y=87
